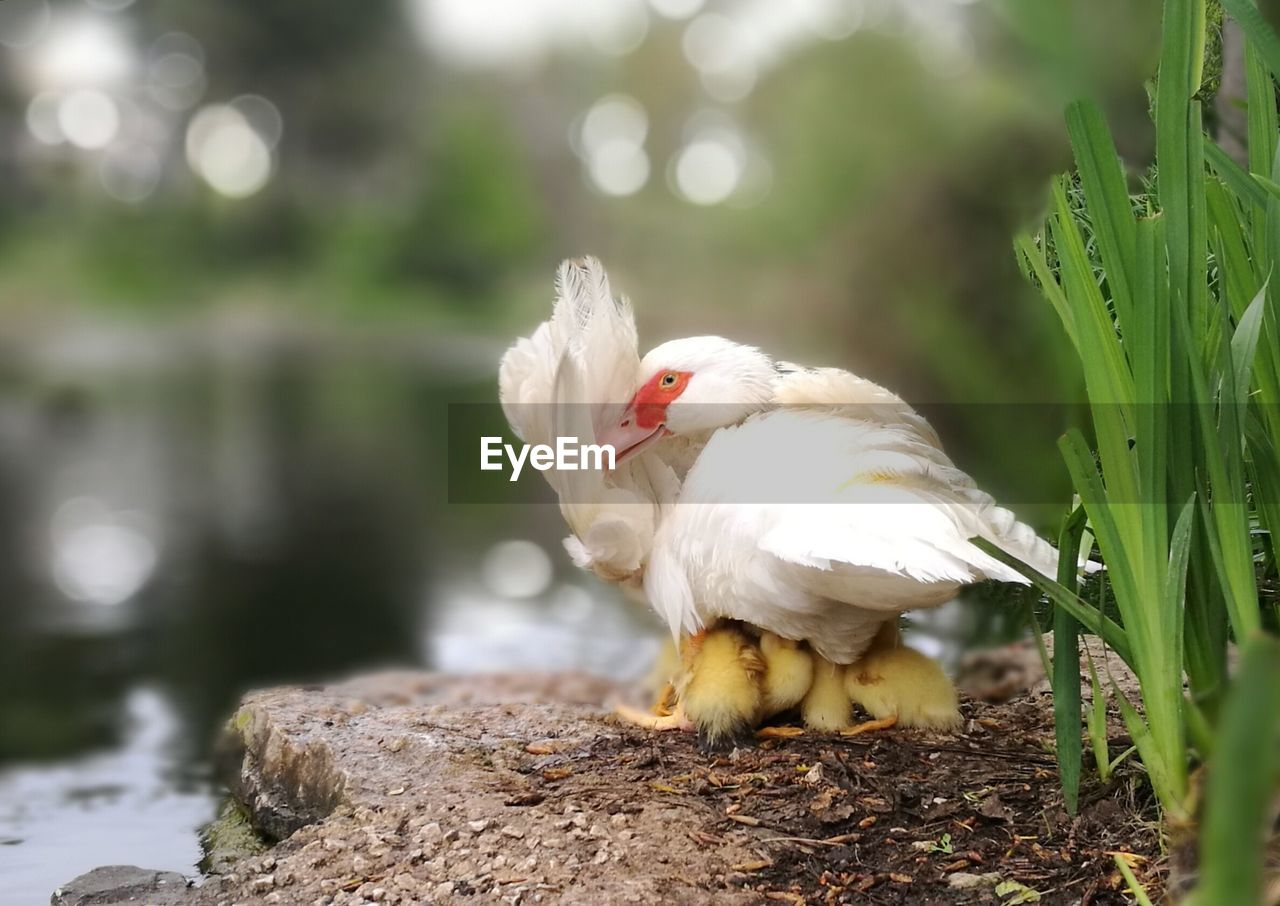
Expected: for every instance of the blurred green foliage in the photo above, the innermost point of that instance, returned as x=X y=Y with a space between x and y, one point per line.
x=407 y=188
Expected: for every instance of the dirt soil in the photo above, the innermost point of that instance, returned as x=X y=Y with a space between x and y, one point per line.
x=414 y=788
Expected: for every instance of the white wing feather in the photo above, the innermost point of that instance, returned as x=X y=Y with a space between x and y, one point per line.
x=835 y=516
x=572 y=373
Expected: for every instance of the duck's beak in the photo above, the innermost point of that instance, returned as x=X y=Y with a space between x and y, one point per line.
x=628 y=438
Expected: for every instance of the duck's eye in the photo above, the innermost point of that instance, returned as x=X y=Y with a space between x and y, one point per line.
x=669 y=379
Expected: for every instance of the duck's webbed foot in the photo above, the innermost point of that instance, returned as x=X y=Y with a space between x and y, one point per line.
x=869 y=726
x=653 y=720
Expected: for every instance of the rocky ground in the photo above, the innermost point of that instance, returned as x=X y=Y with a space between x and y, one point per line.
x=420 y=788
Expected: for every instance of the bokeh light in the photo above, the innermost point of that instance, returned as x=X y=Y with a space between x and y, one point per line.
x=99 y=557
x=717 y=47
x=615 y=117
x=618 y=168
x=571 y=604
x=610 y=140
x=227 y=152
x=263 y=116
x=503 y=35
x=89 y=119
x=714 y=163
x=84 y=51
x=516 y=569
x=707 y=171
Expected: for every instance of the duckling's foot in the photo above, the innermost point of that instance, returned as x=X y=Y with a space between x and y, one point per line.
x=648 y=720
x=666 y=702
x=779 y=732
x=868 y=726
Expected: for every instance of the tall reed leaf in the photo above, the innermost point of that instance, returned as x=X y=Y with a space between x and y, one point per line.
x=1256 y=30
x=1244 y=781
x=1066 y=665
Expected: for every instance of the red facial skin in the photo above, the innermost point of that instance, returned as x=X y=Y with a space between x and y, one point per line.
x=649 y=405
x=643 y=421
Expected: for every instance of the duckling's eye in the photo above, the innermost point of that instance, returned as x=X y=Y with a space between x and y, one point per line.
x=669 y=379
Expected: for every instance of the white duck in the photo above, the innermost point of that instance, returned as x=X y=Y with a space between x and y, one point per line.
x=820 y=506
x=806 y=507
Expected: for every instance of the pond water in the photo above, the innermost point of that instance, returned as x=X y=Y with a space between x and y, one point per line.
x=183 y=519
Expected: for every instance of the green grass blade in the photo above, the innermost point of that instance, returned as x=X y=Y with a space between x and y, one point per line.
x=1105 y=370
x=1179 y=146
x=1256 y=31
x=1268 y=184
x=1261 y=116
x=1237 y=179
x=1107 y=197
x=1148 y=341
x=1139 y=892
x=1115 y=546
x=1167 y=779
x=1031 y=254
x=1176 y=580
x=1226 y=516
x=1244 y=346
x=1199 y=729
x=1096 y=722
x=1227 y=226
x=1066 y=665
x=1264 y=472
x=1245 y=775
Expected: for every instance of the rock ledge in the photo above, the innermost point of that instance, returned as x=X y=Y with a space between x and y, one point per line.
x=416 y=788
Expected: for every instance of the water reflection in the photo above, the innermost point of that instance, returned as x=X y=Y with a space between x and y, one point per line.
x=118 y=807
x=172 y=532
x=572 y=627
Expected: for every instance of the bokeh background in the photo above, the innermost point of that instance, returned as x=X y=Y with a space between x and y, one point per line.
x=251 y=251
